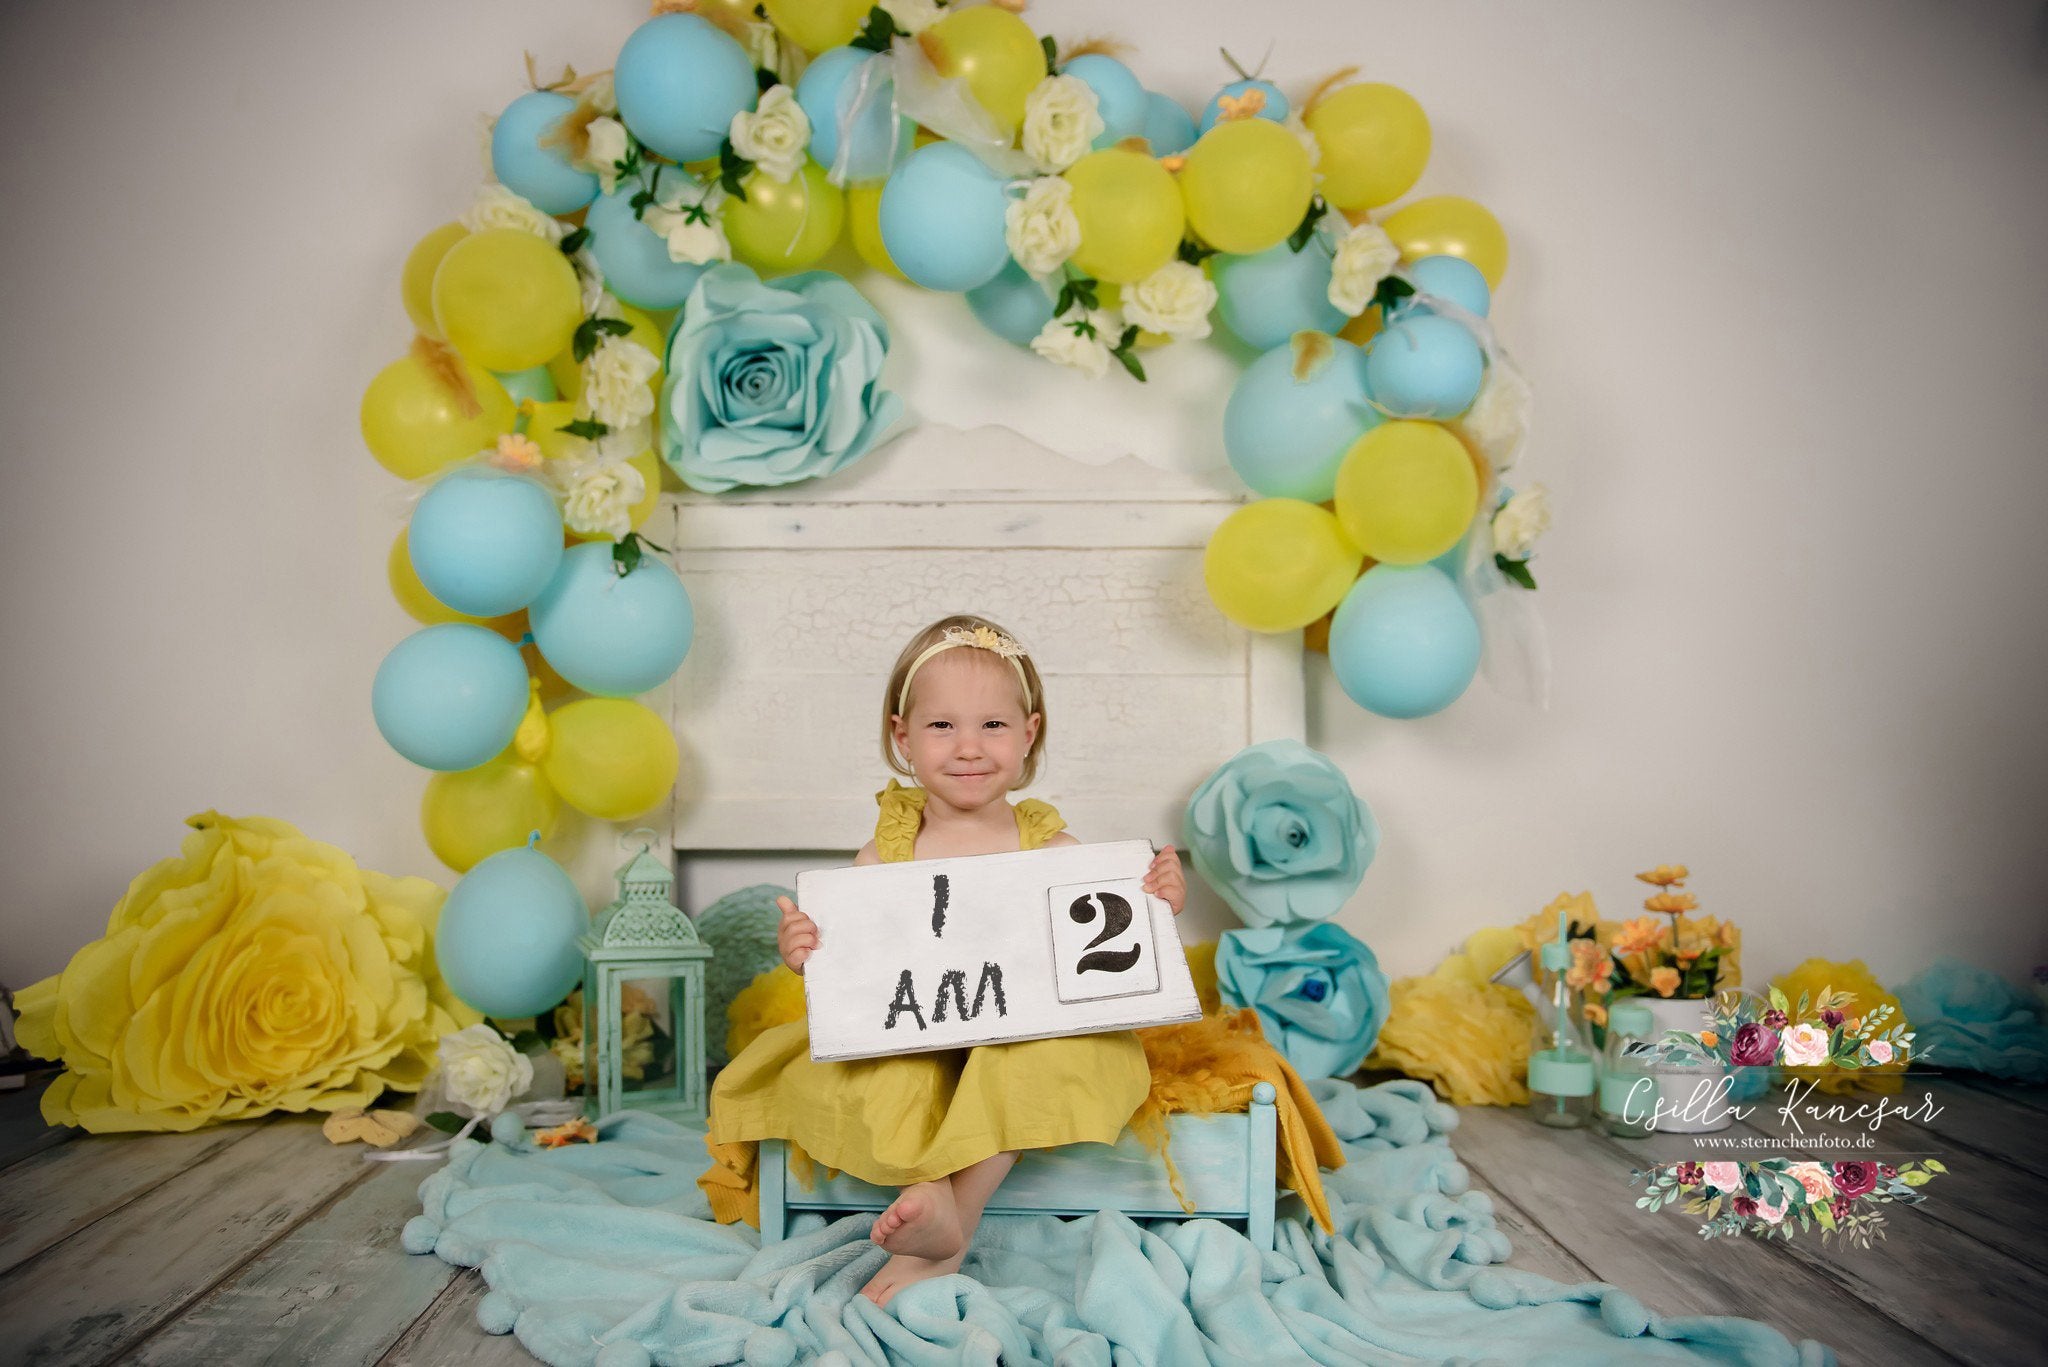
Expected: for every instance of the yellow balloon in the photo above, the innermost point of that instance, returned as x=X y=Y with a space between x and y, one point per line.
x=1247 y=183
x=649 y=466
x=815 y=25
x=544 y=423
x=507 y=299
x=785 y=225
x=995 y=52
x=864 y=226
x=1451 y=225
x=611 y=758
x=470 y=815
x=1374 y=141
x=1278 y=564
x=415 y=420
x=1406 y=492
x=416 y=281
x=567 y=372
x=1130 y=212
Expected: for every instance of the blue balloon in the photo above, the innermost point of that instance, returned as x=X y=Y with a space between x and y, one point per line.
x=530 y=168
x=826 y=94
x=506 y=942
x=679 y=81
x=1403 y=643
x=1013 y=306
x=1455 y=279
x=942 y=218
x=1424 y=367
x=485 y=542
x=1118 y=96
x=1167 y=126
x=1285 y=436
x=536 y=384
x=613 y=635
x=1267 y=298
x=1276 y=103
x=450 y=696
x=633 y=257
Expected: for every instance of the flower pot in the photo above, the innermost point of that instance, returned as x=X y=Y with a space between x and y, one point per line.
x=1692 y=1099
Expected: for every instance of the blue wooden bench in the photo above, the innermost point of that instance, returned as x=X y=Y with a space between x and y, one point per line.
x=1226 y=1163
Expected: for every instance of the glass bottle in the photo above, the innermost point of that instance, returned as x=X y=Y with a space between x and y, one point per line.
x=1561 y=1077
x=1628 y=1091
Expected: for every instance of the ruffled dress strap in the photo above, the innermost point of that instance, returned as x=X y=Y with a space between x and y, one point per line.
x=896 y=825
x=1037 y=822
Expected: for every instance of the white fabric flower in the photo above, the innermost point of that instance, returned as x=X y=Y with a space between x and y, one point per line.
x=600 y=486
x=1040 y=227
x=1520 y=521
x=1061 y=120
x=1307 y=138
x=1060 y=342
x=1174 y=300
x=1365 y=256
x=1498 y=420
x=913 y=16
x=607 y=148
x=481 y=1072
x=496 y=206
x=615 y=377
x=763 y=46
x=689 y=218
x=597 y=302
x=775 y=135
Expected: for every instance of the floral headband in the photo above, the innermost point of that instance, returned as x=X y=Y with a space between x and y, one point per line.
x=981 y=638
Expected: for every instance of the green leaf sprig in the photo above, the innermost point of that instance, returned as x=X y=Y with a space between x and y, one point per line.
x=1306 y=229
x=591 y=332
x=1517 y=570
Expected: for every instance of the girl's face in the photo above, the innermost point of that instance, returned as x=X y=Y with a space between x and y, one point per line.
x=966 y=735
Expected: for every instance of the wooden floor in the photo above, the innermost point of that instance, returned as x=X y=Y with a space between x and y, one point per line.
x=260 y=1242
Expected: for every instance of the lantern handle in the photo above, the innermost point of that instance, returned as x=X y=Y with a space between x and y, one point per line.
x=652 y=835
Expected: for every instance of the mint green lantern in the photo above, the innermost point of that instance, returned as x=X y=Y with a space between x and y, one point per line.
x=643 y=938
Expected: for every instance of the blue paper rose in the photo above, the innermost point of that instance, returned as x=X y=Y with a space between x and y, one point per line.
x=1279 y=834
x=1319 y=992
x=773 y=383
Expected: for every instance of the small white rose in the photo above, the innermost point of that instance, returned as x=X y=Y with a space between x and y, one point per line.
x=690 y=221
x=1061 y=121
x=1040 y=227
x=1060 y=341
x=481 y=1072
x=1498 y=420
x=597 y=302
x=1174 y=300
x=607 y=148
x=496 y=206
x=615 y=377
x=601 y=486
x=913 y=16
x=1520 y=521
x=775 y=135
x=1365 y=256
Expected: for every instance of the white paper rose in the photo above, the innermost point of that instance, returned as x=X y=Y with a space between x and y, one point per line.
x=689 y=221
x=1498 y=420
x=1174 y=300
x=1059 y=341
x=480 y=1072
x=775 y=135
x=607 y=146
x=496 y=206
x=615 y=382
x=1520 y=521
x=1061 y=122
x=1040 y=227
x=1365 y=256
x=601 y=487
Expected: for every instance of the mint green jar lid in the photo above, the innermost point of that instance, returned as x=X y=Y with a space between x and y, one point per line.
x=1632 y=1018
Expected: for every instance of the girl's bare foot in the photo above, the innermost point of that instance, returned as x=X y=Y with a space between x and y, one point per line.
x=922 y=1223
x=903 y=1269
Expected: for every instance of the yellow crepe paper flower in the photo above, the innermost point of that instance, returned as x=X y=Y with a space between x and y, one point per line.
x=1666 y=876
x=1816 y=976
x=1202 y=968
x=773 y=998
x=1467 y=1037
x=258 y=971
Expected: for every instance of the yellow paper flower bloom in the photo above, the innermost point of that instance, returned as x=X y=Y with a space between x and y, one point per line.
x=1202 y=968
x=1467 y=1037
x=773 y=998
x=1818 y=975
x=259 y=971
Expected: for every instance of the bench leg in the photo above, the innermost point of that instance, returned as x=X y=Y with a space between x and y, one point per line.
x=1262 y=1169
x=772 y=1172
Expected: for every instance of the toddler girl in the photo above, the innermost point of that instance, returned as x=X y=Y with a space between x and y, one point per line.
x=963 y=715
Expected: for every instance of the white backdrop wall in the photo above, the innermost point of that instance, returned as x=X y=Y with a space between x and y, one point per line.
x=1776 y=274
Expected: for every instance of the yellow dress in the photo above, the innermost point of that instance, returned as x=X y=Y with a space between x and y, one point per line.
x=917 y=1117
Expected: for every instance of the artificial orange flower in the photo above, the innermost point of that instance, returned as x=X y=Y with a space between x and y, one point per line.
x=1596 y=1012
x=577 y=1131
x=1667 y=876
x=1664 y=981
x=1669 y=902
x=1638 y=936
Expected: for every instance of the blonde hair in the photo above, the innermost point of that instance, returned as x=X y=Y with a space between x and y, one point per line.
x=900 y=674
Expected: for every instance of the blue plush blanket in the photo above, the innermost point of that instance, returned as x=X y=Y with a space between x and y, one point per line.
x=605 y=1254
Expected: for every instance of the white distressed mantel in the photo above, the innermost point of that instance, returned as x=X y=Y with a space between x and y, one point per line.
x=804 y=595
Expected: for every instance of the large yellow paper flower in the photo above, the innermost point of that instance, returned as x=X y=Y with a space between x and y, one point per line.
x=1467 y=1037
x=259 y=971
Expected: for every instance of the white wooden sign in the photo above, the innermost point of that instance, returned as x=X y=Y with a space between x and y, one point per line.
x=948 y=953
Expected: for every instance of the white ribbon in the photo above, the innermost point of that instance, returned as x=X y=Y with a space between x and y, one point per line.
x=534 y=1113
x=915 y=90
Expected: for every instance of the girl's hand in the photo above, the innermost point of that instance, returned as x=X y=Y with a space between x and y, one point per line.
x=1164 y=879
x=797 y=937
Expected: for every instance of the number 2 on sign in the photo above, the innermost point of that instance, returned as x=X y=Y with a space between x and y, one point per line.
x=1116 y=919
